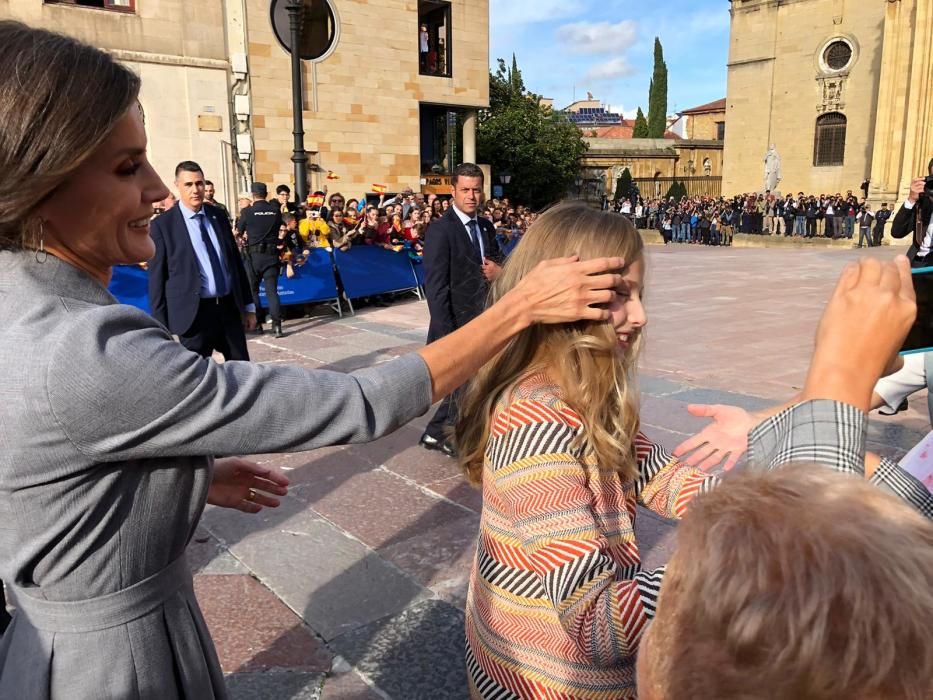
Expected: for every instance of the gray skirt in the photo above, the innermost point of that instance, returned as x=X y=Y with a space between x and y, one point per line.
x=148 y=641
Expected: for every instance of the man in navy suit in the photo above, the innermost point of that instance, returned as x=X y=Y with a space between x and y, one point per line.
x=461 y=257
x=198 y=287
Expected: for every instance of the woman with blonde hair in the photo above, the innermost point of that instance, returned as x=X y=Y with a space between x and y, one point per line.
x=558 y=603
x=558 y=600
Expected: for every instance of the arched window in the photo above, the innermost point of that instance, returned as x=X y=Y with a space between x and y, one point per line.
x=829 y=147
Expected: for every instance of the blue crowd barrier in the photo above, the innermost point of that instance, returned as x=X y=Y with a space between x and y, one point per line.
x=130 y=285
x=313 y=281
x=369 y=270
x=418 y=267
x=364 y=271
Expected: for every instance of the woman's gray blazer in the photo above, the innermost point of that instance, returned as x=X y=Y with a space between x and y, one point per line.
x=107 y=427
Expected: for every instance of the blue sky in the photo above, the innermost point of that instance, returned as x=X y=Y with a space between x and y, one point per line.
x=606 y=47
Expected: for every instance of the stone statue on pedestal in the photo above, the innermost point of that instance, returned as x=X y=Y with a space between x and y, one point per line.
x=772 y=169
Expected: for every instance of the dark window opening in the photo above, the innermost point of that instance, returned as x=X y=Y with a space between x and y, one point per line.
x=116 y=5
x=434 y=34
x=830 y=145
x=837 y=55
x=720 y=131
x=441 y=139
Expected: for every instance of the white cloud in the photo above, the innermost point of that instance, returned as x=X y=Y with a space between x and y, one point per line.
x=514 y=12
x=611 y=69
x=598 y=37
x=620 y=109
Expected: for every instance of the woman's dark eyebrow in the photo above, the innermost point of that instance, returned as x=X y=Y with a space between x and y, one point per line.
x=130 y=151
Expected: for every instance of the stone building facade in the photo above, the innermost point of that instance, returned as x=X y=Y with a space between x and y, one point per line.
x=840 y=88
x=706 y=121
x=217 y=85
x=371 y=115
x=180 y=51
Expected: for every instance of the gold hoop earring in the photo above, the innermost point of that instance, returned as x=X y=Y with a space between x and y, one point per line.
x=41 y=253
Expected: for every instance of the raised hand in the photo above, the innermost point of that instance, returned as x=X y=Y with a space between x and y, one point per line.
x=863 y=327
x=244 y=485
x=564 y=290
x=723 y=441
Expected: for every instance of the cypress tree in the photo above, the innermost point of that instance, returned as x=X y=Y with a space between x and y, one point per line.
x=515 y=79
x=641 y=126
x=624 y=185
x=657 y=95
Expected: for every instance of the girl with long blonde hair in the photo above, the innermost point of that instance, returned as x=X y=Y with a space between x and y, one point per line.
x=549 y=428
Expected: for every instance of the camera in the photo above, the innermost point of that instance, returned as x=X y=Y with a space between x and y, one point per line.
x=928 y=185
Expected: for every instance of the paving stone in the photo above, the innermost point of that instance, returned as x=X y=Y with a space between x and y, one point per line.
x=253 y=630
x=348 y=686
x=334 y=582
x=657 y=386
x=436 y=555
x=420 y=465
x=378 y=507
x=275 y=685
x=712 y=396
x=206 y=555
x=667 y=413
x=325 y=470
x=417 y=655
x=655 y=537
x=459 y=490
x=386 y=451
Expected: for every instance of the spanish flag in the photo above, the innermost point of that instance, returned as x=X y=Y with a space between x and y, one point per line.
x=315 y=200
x=380 y=189
x=331 y=175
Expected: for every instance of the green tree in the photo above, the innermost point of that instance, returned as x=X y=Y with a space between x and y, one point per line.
x=641 y=126
x=677 y=190
x=541 y=148
x=657 y=95
x=624 y=185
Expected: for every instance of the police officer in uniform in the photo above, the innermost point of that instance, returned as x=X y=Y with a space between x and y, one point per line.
x=260 y=222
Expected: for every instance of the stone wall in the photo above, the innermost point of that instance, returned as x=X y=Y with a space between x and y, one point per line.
x=178 y=48
x=778 y=86
x=705 y=126
x=362 y=101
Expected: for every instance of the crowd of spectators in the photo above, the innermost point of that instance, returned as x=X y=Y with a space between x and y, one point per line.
x=398 y=223
x=709 y=220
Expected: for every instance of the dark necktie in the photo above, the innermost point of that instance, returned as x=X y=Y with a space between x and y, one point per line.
x=474 y=238
x=220 y=279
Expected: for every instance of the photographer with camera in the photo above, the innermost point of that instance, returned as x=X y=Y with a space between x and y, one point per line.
x=913 y=219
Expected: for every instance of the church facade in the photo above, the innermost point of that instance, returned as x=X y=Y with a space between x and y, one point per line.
x=838 y=90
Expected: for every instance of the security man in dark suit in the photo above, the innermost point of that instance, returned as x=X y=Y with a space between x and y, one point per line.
x=460 y=259
x=260 y=222
x=913 y=219
x=198 y=287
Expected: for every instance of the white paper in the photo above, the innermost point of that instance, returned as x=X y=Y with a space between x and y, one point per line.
x=919 y=461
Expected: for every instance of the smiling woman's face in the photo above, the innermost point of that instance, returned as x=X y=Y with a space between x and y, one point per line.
x=99 y=217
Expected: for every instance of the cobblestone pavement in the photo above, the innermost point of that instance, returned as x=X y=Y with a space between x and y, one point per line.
x=354 y=588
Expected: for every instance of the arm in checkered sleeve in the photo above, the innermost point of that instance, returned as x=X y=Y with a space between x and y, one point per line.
x=666 y=485
x=547 y=495
x=833 y=434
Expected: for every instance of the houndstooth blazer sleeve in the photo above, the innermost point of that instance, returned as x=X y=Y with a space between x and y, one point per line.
x=830 y=433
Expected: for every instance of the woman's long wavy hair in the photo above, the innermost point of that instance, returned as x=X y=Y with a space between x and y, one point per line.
x=596 y=380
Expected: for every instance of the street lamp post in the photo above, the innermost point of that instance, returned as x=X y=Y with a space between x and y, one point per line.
x=505 y=177
x=299 y=155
